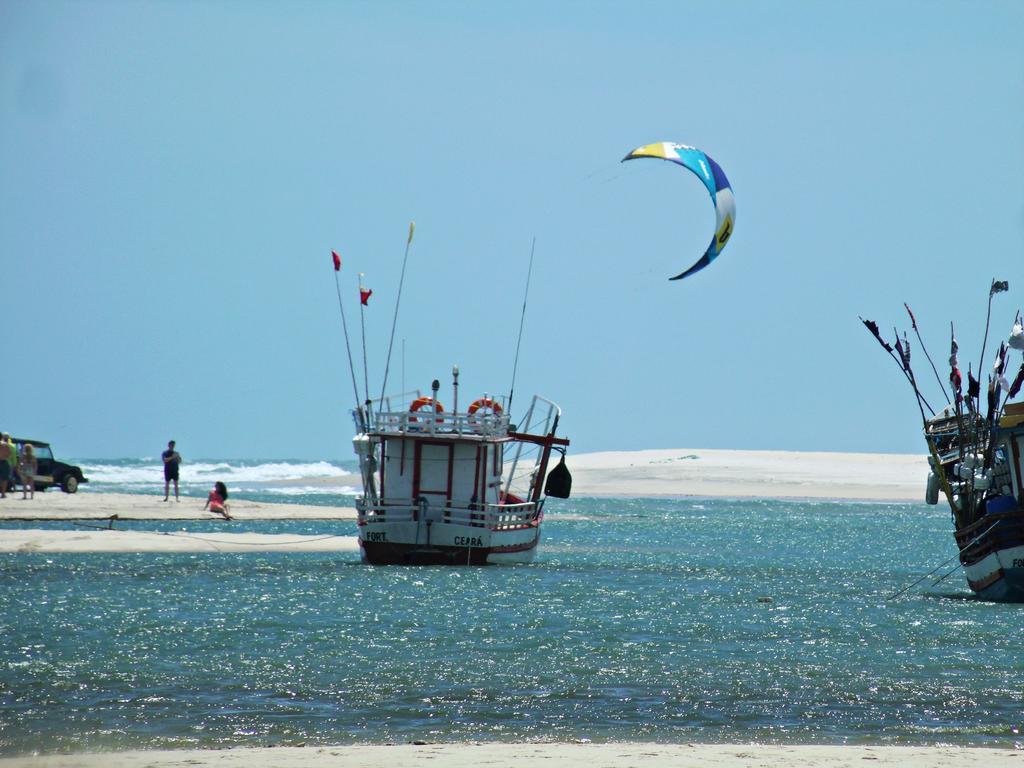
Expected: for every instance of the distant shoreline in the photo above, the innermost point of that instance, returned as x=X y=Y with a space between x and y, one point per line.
x=675 y=472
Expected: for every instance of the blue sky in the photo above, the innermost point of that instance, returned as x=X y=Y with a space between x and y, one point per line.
x=173 y=176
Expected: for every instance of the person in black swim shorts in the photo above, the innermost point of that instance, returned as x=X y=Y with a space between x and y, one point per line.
x=172 y=459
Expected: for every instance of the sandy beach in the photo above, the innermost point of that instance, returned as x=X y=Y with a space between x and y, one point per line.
x=535 y=755
x=93 y=527
x=90 y=505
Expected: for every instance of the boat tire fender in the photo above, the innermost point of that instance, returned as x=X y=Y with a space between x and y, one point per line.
x=931 y=495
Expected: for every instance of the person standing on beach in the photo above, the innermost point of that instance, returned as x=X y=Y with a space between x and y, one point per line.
x=27 y=468
x=12 y=460
x=5 y=466
x=171 y=461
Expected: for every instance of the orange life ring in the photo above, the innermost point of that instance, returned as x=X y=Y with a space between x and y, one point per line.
x=485 y=402
x=421 y=402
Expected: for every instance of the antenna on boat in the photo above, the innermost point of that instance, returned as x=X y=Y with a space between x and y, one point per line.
x=362 y=322
x=394 y=320
x=455 y=389
x=997 y=287
x=522 y=317
x=344 y=327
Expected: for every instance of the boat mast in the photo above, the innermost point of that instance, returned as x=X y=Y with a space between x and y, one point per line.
x=348 y=347
x=394 y=320
x=522 y=317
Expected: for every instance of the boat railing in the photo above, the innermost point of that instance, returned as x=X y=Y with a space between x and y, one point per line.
x=496 y=517
x=403 y=511
x=541 y=418
x=504 y=517
x=442 y=423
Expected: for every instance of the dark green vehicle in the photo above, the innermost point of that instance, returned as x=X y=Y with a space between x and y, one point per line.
x=50 y=472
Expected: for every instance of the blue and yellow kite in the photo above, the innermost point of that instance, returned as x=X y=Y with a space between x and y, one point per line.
x=718 y=187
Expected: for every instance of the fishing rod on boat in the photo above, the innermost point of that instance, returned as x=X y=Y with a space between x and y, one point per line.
x=344 y=327
x=903 y=347
x=955 y=382
x=394 y=320
x=996 y=287
x=913 y=324
x=933 y=450
x=996 y=380
x=522 y=317
x=902 y=361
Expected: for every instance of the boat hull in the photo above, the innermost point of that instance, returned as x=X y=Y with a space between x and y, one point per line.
x=440 y=544
x=992 y=554
x=999 y=576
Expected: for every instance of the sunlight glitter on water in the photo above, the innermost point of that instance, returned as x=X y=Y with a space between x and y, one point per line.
x=650 y=620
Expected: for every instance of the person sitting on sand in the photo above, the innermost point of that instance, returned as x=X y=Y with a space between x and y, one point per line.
x=217 y=500
x=27 y=468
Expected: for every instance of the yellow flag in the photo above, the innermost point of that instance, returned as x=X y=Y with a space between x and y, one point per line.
x=412 y=228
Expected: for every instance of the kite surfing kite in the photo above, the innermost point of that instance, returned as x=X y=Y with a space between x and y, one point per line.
x=718 y=187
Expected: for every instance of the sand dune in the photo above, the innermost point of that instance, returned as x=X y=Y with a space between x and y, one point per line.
x=758 y=474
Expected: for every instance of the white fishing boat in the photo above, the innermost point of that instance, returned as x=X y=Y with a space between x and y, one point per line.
x=450 y=487
x=454 y=488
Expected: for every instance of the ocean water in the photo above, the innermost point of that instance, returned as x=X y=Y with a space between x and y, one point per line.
x=256 y=479
x=651 y=620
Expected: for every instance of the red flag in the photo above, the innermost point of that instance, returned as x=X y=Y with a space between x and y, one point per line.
x=364 y=295
x=337 y=261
